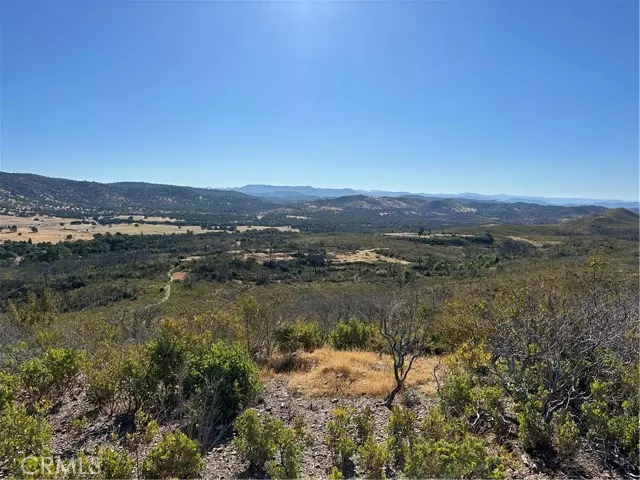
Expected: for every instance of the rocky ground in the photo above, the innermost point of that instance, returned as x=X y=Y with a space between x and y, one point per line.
x=224 y=462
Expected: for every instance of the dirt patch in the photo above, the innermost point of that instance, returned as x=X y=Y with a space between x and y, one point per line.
x=356 y=373
x=298 y=217
x=178 y=276
x=246 y=228
x=262 y=256
x=192 y=258
x=532 y=242
x=366 y=256
x=140 y=218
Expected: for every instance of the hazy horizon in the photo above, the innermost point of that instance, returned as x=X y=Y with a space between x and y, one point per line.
x=340 y=187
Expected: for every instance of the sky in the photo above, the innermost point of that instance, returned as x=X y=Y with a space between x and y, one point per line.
x=521 y=97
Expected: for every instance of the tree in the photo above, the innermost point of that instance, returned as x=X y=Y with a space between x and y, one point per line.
x=404 y=324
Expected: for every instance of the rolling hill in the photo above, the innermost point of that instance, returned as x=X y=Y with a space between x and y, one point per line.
x=618 y=223
x=20 y=192
x=26 y=194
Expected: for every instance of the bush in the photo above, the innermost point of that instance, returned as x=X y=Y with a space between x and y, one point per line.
x=335 y=474
x=533 y=431
x=135 y=384
x=270 y=446
x=338 y=439
x=465 y=458
x=103 y=382
x=22 y=435
x=254 y=439
x=363 y=421
x=566 y=435
x=353 y=334
x=115 y=464
x=290 y=442
x=175 y=456
x=456 y=392
x=299 y=336
x=53 y=374
x=372 y=459
x=9 y=386
x=401 y=428
x=234 y=373
x=436 y=426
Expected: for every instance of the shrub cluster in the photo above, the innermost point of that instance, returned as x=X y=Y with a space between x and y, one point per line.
x=269 y=446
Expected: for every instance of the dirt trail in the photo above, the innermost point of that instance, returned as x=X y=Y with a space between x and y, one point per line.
x=167 y=291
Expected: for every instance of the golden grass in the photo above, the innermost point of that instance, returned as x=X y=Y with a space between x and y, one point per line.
x=246 y=228
x=366 y=256
x=355 y=373
x=50 y=230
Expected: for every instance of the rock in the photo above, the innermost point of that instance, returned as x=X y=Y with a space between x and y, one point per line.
x=334 y=400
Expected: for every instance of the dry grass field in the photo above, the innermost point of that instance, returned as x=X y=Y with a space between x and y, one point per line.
x=365 y=256
x=138 y=218
x=246 y=228
x=354 y=373
x=57 y=229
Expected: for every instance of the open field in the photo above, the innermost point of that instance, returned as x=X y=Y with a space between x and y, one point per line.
x=58 y=229
x=366 y=256
x=246 y=228
x=354 y=373
x=145 y=218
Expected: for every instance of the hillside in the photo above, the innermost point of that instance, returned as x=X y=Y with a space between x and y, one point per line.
x=20 y=192
x=618 y=223
x=26 y=194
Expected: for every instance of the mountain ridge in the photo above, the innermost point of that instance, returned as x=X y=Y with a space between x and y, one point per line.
x=301 y=191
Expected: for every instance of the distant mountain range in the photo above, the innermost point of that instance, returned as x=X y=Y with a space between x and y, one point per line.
x=307 y=193
x=305 y=208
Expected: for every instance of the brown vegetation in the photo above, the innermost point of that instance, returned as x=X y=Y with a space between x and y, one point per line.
x=354 y=373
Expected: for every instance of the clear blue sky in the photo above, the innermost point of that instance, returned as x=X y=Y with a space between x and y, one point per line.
x=521 y=97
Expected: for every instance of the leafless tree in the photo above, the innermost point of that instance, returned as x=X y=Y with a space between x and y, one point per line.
x=404 y=323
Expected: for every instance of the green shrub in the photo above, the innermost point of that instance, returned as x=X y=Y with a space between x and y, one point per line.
x=175 y=456
x=353 y=334
x=9 y=386
x=437 y=426
x=401 y=429
x=566 y=435
x=115 y=465
x=167 y=356
x=136 y=385
x=233 y=372
x=145 y=432
x=78 y=425
x=103 y=382
x=338 y=439
x=22 y=434
x=290 y=442
x=455 y=392
x=372 y=459
x=363 y=421
x=254 y=439
x=611 y=423
x=270 y=446
x=489 y=401
x=464 y=458
x=53 y=374
x=533 y=431
x=335 y=474
x=298 y=336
